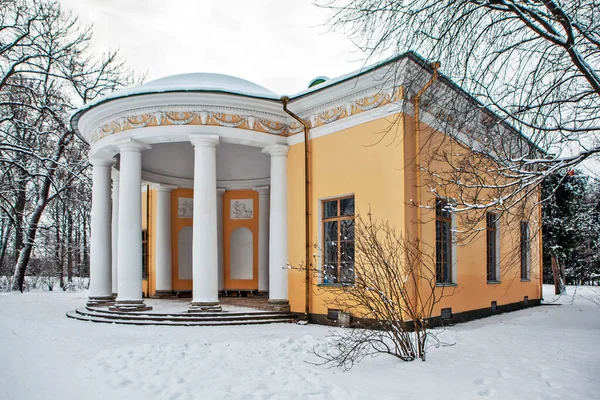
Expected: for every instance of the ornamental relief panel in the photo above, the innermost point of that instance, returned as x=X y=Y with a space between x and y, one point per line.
x=319 y=117
x=241 y=209
x=185 y=207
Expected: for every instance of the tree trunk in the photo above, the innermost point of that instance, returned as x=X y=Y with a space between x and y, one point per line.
x=85 y=265
x=32 y=226
x=4 y=245
x=58 y=249
x=77 y=249
x=70 y=248
x=21 y=198
x=25 y=254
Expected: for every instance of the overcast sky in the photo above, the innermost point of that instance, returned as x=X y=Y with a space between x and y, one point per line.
x=279 y=44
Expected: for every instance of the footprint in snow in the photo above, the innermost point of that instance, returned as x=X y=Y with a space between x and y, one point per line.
x=504 y=375
x=484 y=390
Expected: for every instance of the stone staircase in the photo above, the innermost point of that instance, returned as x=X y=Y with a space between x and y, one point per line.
x=181 y=318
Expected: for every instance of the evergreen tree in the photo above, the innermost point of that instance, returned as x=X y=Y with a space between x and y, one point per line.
x=571 y=231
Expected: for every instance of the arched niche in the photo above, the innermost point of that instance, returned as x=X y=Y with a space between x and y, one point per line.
x=241 y=252
x=184 y=245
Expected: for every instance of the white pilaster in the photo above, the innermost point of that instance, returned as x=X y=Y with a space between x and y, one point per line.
x=205 y=258
x=100 y=246
x=220 y=193
x=263 y=238
x=129 y=259
x=164 y=284
x=278 y=273
x=115 y=231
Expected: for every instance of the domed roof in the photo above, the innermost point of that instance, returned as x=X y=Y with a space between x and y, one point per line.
x=202 y=81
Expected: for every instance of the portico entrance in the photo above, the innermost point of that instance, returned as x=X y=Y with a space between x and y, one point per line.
x=214 y=167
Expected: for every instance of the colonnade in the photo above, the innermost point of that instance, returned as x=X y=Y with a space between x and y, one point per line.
x=116 y=237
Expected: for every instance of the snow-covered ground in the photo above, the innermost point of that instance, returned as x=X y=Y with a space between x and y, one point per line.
x=540 y=353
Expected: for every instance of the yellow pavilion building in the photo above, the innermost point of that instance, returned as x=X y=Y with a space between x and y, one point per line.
x=206 y=184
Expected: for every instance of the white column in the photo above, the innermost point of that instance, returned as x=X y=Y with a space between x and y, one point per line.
x=278 y=273
x=164 y=285
x=115 y=231
x=100 y=246
x=263 y=238
x=220 y=193
x=205 y=258
x=129 y=297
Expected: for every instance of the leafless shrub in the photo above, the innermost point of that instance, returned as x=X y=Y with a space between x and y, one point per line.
x=392 y=299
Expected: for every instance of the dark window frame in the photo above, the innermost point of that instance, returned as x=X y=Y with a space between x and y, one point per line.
x=327 y=276
x=525 y=250
x=491 y=228
x=444 y=268
x=145 y=248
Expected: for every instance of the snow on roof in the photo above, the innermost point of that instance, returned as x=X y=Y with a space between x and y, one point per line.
x=192 y=82
x=202 y=81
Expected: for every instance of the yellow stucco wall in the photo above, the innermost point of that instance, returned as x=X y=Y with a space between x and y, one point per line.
x=473 y=290
x=149 y=219
x=230 y=225
x=367 y=161
x=352 y=161
x=177 y=224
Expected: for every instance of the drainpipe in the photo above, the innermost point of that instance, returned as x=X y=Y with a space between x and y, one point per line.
x=305 y=129
x=417 y=126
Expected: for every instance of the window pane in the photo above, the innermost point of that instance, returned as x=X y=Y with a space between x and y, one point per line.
x=347 y=273
x=347 y=206
x=524 y=250
x=330 y=230
x=330 y=273
x=442 y=209
x=438 y=252
x=330 y=209
x=491 y=255
x=330 y=252
x=491 y=220
x=447 y=272
x=347 y=251
x=347 y=229
x=443 y=249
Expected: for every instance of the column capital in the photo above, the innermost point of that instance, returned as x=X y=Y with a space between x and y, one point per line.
x=202 y=140
x=262 y=189
x=131 y=146
x=163 y=188
x=221 y=191
x=101 y=161
x=276 y=150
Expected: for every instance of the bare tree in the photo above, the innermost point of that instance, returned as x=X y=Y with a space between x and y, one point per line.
x=392 y=298
x=46 y=71
x=533 y=68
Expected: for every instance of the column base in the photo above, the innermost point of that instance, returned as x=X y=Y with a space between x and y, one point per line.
x=163 y=294
x=279 y=305
x=130 y=305
x=114 y=296
x=100 y=301
x=200 y=306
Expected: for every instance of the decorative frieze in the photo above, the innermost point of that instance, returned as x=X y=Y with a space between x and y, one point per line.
x=230 y=117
